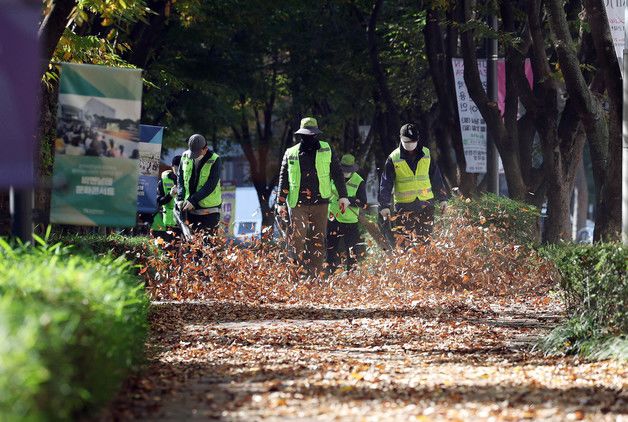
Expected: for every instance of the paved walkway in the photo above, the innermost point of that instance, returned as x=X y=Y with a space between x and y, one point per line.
x=211 y=361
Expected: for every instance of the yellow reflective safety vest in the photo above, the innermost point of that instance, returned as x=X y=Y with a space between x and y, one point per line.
x=168 y=208
x=323 y=172
x=350 y=215
x=411 y=186
x=214 y=199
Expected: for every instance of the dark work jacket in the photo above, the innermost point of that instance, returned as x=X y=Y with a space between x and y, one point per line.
x=309 y=191
x=205 y=190
x=162 y=198
x=387 y=182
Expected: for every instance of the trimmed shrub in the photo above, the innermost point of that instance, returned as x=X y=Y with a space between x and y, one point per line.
x=515 y=221
x=116 y=244
x=72 y=328
x=594 y=286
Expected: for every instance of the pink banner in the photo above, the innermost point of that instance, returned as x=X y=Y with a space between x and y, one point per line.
x=501 y=81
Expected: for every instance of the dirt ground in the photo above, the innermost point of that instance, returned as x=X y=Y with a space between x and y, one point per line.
x=431 y=360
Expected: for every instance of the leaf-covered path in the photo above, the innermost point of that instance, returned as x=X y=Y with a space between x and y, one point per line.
x=431 y=360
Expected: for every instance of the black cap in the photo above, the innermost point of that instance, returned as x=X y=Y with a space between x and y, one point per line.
x=176 y=160
x=196 y=143
x=409 y=131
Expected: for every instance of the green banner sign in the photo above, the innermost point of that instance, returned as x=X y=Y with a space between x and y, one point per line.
x=96 y=149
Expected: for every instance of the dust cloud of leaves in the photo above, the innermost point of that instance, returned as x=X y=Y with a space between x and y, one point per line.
x=461 y=261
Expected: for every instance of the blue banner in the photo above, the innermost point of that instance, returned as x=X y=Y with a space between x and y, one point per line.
x=150 y=152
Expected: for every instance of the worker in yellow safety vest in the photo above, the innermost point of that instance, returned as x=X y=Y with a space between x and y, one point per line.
x=413 y=181
x=342 y=228
x=164 y=223
x=305 y=186
x=199 y=193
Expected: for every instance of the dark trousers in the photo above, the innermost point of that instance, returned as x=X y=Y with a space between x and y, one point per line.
x=207 y=222
x=416 y=225
x=343 y=238
x=306 y=242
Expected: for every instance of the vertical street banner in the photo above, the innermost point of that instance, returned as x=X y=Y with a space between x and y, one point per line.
x=149 y=153
x=472 y=125
x=615 y=13
x=229 y=207
x=20 y=67
x=95 y=174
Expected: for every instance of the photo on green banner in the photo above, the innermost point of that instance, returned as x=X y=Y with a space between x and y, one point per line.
x=97 y=146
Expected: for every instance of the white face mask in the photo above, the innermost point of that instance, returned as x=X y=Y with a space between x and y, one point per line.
x=409 y=146
x=347 y=175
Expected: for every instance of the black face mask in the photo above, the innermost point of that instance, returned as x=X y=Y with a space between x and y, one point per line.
x=309 y=142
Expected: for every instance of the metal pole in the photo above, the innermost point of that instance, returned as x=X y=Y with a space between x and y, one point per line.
x=22 y=214
x=492 y=156
x=624 y=166
x=576 y=214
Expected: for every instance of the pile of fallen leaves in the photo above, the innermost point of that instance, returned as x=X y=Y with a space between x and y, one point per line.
x=462 y=260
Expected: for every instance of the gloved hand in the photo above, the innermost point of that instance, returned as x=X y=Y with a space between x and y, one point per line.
x=385 y=213
x=443 y=207
x=179 y=205
x=283 y=211
x=174 y=191
x=187 y=206
x=343 y=203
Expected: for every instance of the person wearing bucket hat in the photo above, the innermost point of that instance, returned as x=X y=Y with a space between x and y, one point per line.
x=305 y=186
x=413 y=182
x=342 y=228
x=199 y=193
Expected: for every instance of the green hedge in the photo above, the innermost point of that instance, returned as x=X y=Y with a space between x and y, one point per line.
x=594 y=286
x=516 y=221
x=72 y=327
x=115 y=244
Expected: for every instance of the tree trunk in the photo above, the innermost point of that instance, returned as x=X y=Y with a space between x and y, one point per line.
x=391 y=112
x=608 y=215
x=52 y=27
x=447 y=125
x=557 y=225
x=505 y=140
x=588 y=107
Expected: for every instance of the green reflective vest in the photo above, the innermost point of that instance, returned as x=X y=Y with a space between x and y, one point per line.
x=214 y=199
x=168 y=209
x=323 y=171
x=158 y=223
x=350 y=215
x=412 y=186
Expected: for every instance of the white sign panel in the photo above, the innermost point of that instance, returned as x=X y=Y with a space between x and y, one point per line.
x=472 y=125
x=615 y=14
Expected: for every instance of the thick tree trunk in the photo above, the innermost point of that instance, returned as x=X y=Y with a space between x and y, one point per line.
x=588 y=107
x=506 y=141
x=52 y=27
x=561 y=166
x=557 y=225
x=447 y=125
x=608 y=221
x=561 y=142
